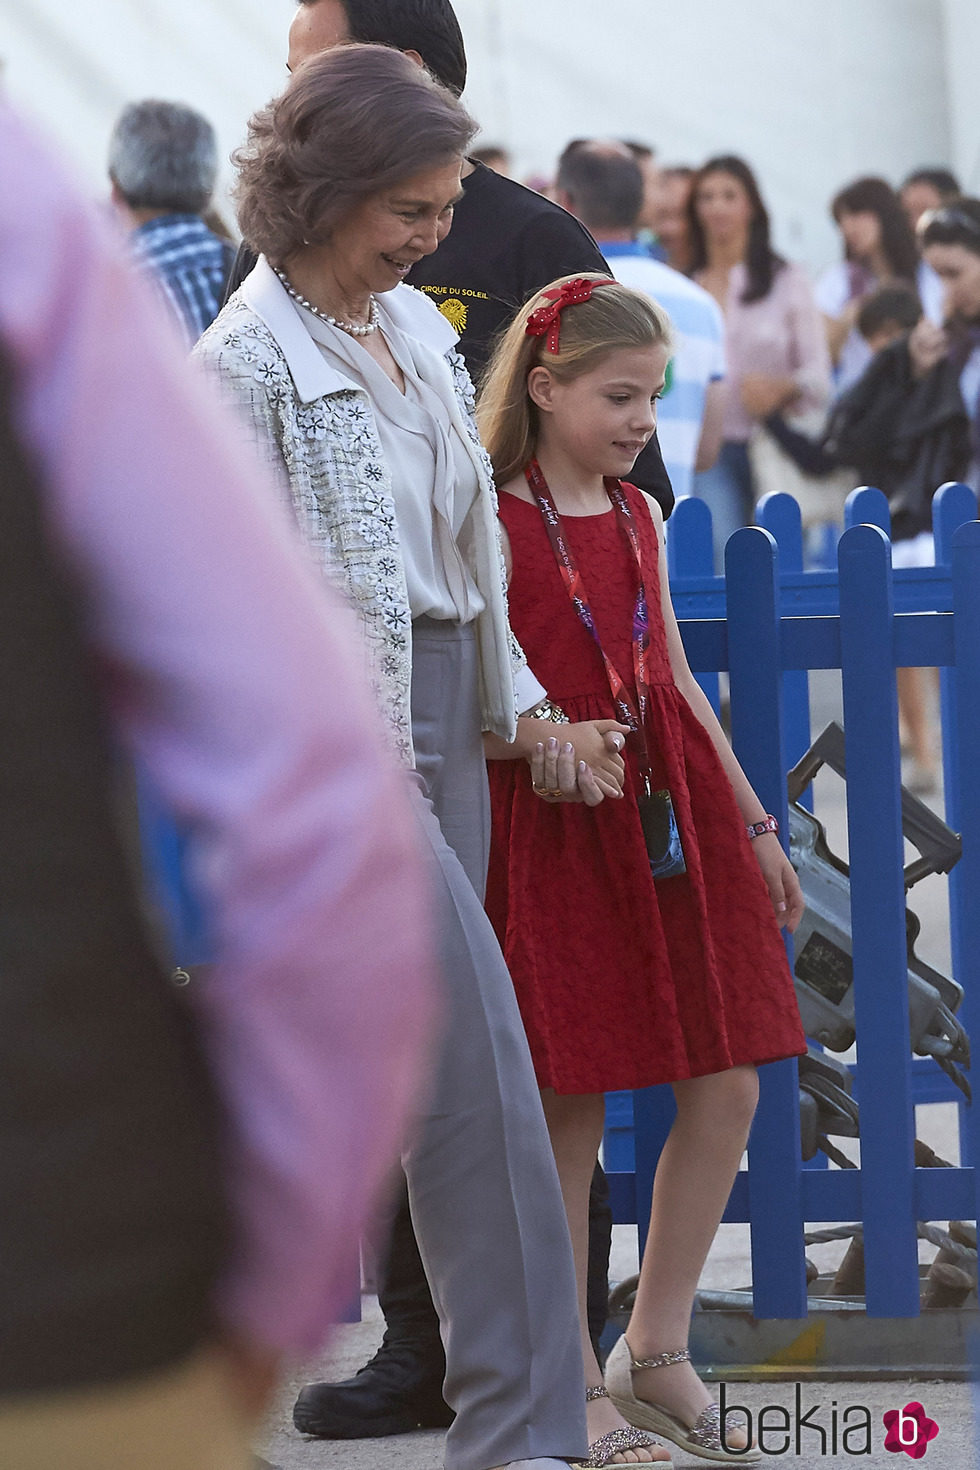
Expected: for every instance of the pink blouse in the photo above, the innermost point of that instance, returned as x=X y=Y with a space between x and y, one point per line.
x=782 y=334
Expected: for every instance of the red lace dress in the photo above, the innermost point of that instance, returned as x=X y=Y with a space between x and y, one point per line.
x=622 y=982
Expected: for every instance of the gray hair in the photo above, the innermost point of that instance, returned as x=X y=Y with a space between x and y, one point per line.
x=352 y=122
x=163 y=156
x=604 y=185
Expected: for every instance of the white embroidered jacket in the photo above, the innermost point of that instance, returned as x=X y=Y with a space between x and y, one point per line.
x=314 y=429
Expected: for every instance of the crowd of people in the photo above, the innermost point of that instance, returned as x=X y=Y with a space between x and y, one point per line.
x=463 y=409
x=780 y=382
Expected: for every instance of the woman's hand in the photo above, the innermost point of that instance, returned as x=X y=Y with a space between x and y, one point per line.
x=781 y=880
x=580 y=762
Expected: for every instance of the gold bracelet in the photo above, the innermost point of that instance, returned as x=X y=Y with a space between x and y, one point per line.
x=547 y=710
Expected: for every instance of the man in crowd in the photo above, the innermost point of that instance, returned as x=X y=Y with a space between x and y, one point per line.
x=163 y=163
x=602 y=185
x=183 y=1173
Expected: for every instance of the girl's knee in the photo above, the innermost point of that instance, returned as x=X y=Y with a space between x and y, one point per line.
x=743 y=1084
x=729 y=1098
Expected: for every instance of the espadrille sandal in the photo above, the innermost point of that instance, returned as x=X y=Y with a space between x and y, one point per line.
x=703 y=1437
x=603 y=1450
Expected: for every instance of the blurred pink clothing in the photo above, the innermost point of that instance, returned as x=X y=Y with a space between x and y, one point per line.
x=783 y=334
x=232 y=675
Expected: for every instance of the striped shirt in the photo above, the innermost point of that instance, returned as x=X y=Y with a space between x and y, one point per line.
x=699 y=357
x=189 y=263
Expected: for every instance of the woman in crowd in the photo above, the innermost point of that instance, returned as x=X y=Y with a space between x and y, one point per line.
x=670 y=215
x=950 y=241
x=775 y=345
x=354 y=395
x=879 y=250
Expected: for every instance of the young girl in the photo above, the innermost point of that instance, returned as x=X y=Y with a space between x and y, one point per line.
x=624 y=979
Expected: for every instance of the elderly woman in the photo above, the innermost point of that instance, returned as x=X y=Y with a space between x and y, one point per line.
x=355 y=397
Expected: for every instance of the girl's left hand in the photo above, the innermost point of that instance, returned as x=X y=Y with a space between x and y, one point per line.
x=781 y=880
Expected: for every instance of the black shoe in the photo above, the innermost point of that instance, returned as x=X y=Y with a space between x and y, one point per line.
x=398 y=1391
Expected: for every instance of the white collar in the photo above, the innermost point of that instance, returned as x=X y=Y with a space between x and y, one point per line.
x=312 y=375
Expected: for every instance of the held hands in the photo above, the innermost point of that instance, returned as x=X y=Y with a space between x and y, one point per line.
x=781 y=880
x=581 y=762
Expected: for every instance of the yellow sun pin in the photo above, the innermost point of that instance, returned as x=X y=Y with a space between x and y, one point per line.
x=455 y=312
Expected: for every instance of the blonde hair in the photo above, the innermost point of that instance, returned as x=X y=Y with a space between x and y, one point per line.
x=614 y=317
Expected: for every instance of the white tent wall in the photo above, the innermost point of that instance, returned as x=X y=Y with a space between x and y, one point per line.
x=75 y=65
x=962 y=18
x=812 y=93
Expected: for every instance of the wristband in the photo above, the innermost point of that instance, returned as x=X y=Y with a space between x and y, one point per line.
x=759 y=829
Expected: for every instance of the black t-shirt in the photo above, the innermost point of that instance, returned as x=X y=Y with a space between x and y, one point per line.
x=505 y=244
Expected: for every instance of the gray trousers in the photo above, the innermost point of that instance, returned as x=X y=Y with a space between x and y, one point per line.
x=482 y=1183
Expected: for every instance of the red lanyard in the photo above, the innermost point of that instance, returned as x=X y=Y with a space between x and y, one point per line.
x=628 y=713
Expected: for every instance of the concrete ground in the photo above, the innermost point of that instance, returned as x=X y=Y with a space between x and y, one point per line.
x=949 y=1404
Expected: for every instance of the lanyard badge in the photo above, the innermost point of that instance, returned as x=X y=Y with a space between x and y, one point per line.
x=657 y=816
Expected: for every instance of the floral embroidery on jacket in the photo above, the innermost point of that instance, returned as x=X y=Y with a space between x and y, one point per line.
x=326 y=456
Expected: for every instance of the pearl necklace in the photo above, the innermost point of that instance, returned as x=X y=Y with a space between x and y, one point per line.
x=355 y=329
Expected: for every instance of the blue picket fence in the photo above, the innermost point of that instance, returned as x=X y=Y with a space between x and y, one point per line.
x=768 y=622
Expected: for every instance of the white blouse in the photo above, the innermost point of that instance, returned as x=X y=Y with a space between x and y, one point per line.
x=433 y=478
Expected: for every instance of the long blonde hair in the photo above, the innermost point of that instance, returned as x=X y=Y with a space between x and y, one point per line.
x=614 y=317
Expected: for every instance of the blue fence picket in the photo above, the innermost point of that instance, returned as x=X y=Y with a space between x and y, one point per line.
x=876 y=852
x=866 y=506
x=755 y=673
x=780 y=515
x=966 y=634
x=691 y=556
x=953 y=505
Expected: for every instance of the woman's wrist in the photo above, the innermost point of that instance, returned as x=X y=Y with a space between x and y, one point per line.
x=546 y=709
x=532 y=731
x=529 y=734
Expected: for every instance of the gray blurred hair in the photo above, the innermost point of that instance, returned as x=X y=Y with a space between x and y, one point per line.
x=604 y=184
x=163 y=156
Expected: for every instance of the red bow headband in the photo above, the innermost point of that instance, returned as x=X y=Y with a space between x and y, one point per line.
x=547 y=319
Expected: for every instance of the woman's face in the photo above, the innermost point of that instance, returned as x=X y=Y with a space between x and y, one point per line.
x=861 y=230
x=723 y=207
x=669 y=216
x=959 y=270
x=377 y=244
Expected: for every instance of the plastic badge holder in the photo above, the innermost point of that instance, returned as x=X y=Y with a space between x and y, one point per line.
x=661 y=834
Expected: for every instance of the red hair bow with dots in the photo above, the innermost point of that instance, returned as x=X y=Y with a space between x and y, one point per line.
x=546 y=320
